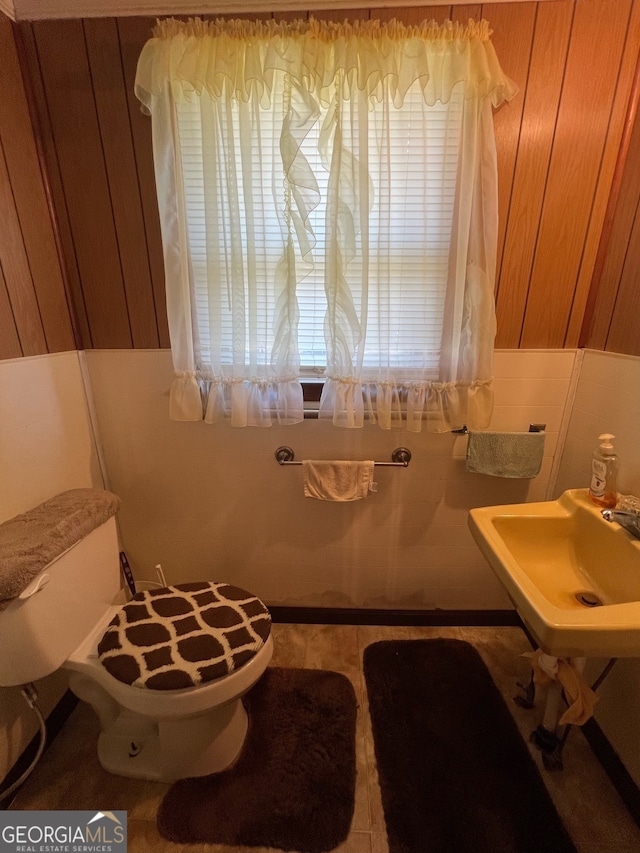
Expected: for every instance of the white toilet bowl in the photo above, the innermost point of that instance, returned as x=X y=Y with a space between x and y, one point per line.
x=168 y=734
x=164 y=735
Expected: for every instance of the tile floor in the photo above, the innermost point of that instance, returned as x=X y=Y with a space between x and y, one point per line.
x=70 y=777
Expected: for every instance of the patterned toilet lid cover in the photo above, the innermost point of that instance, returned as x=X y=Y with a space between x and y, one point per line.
x=185 y=635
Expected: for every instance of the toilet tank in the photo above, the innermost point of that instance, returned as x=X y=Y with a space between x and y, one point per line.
x=39 y=629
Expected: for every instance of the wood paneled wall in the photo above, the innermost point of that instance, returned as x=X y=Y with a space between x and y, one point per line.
x=34 y=313
x=612 y=319
x=558 y=143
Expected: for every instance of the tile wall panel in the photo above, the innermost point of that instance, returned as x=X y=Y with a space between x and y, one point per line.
x=219 y=506
x=46 y=446
x=607 y=400
x=46 y=439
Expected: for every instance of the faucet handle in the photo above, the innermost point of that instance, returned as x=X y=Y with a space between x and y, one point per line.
x=618 y=514
x=626 y=518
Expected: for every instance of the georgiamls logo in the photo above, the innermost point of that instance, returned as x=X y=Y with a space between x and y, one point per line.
x=63 y=832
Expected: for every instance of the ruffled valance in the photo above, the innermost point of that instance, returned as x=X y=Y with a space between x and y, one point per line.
x=239 y=59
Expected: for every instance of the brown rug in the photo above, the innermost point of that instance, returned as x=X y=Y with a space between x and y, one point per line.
x=292 y=786
x=455 y=774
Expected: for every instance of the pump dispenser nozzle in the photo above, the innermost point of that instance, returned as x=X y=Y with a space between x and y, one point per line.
x=606 y=438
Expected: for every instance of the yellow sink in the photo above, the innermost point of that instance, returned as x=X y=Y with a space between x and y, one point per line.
x=573 y=577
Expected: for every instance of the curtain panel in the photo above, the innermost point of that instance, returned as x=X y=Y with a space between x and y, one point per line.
x=288 y=150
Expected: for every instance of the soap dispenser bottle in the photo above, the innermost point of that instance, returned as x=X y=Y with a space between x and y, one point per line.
x=604 y=474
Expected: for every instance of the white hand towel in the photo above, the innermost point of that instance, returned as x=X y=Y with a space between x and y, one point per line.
x=337 y=480
x=505 y=454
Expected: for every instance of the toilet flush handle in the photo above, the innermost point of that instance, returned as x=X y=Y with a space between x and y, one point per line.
x=36 y=586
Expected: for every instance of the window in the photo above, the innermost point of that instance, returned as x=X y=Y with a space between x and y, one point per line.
x=412 y=196
x=328 y=202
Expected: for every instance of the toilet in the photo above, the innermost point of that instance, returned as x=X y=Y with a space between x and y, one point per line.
x=165 y=672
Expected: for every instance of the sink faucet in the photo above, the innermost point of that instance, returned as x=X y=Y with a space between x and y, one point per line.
x=629 y=520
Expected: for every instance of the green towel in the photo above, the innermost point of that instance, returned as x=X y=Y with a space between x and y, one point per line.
x=505 y=454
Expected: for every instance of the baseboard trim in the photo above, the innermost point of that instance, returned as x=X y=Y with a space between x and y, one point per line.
x=381 y=616
x=55 y=721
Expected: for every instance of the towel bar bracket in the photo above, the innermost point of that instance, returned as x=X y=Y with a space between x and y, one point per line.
x=400 y=457
x=284 y=455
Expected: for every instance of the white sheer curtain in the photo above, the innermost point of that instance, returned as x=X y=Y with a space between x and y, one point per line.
x=362 y=155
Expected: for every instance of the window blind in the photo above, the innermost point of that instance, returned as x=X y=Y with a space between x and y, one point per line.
x=410 y=193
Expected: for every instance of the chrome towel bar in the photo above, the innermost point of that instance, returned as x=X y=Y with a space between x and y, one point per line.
x=400 y=458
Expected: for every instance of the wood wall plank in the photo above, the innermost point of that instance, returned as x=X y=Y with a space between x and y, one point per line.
x=42 y=131
x=513 y=27
x=133 y=33
x=70 y=98
x=103 y=51
x=291 y=15
x=414 y=14
x=9 y=340
x=624 y=332
x=591 y=74
x=597 y=283
x=621 y=230
x=17 y=274
x=30 y=199
x=522 y=218
x=355 y=14
x=466 y=11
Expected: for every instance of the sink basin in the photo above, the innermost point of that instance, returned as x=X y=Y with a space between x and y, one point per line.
x=573 y=577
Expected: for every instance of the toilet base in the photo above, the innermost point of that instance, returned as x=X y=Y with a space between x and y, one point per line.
x=163 y=750
x=166 y=750
x=166 y=735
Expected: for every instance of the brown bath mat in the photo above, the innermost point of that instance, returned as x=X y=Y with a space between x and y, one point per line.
x=455 y=774
x=293 y=784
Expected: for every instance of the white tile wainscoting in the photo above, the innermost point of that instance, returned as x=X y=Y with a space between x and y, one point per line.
x=46 y=446
x=210 y=501
x=607 y=399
